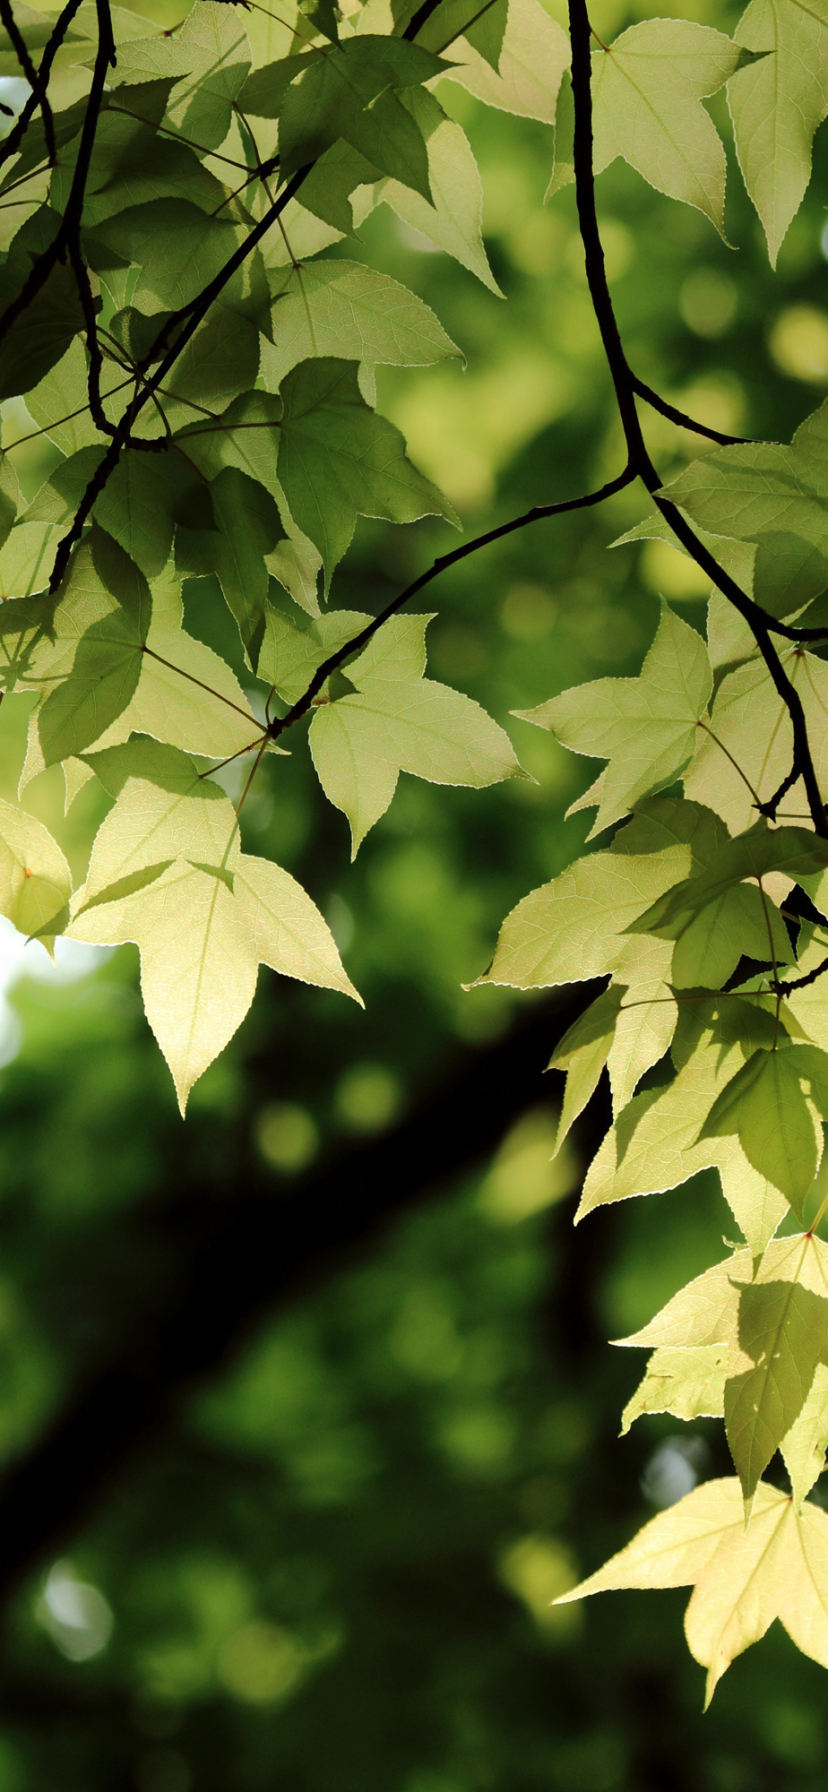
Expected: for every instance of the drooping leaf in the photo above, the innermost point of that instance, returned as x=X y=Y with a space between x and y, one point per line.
x=526 y=79
x=247 y=528
x=776 y=105
x=453 y=219
x=647 y=1020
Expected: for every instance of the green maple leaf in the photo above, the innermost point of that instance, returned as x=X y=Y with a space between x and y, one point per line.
x=396 y=720
x=646 y=727
x=776 y=105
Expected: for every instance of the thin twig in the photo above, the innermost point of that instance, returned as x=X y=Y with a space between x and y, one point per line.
x=624 y=383
x=335 y=660
x=681 y=418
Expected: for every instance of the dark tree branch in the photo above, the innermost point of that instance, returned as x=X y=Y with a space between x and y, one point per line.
x=421 y=17
x=681 y=418
x=784 y=989
x=122 y=434
x=229 y=1262
x=11 y=144
x=624 y=382
x=35 y=80
x=69 y=229
x=769 y=808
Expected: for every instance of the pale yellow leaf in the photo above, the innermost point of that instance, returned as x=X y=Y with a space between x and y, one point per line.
x=687 y=1383
x=35 y=880
x=737 y=1595
x=674 y=1549
x=533 y=58
x=654 y=1145
x=804 y=1447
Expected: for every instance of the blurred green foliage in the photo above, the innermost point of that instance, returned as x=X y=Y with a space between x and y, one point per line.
x=333 y=1573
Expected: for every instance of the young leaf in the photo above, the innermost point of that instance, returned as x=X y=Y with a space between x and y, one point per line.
x=776 y=104
x=398 y=721
x=646 y=727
